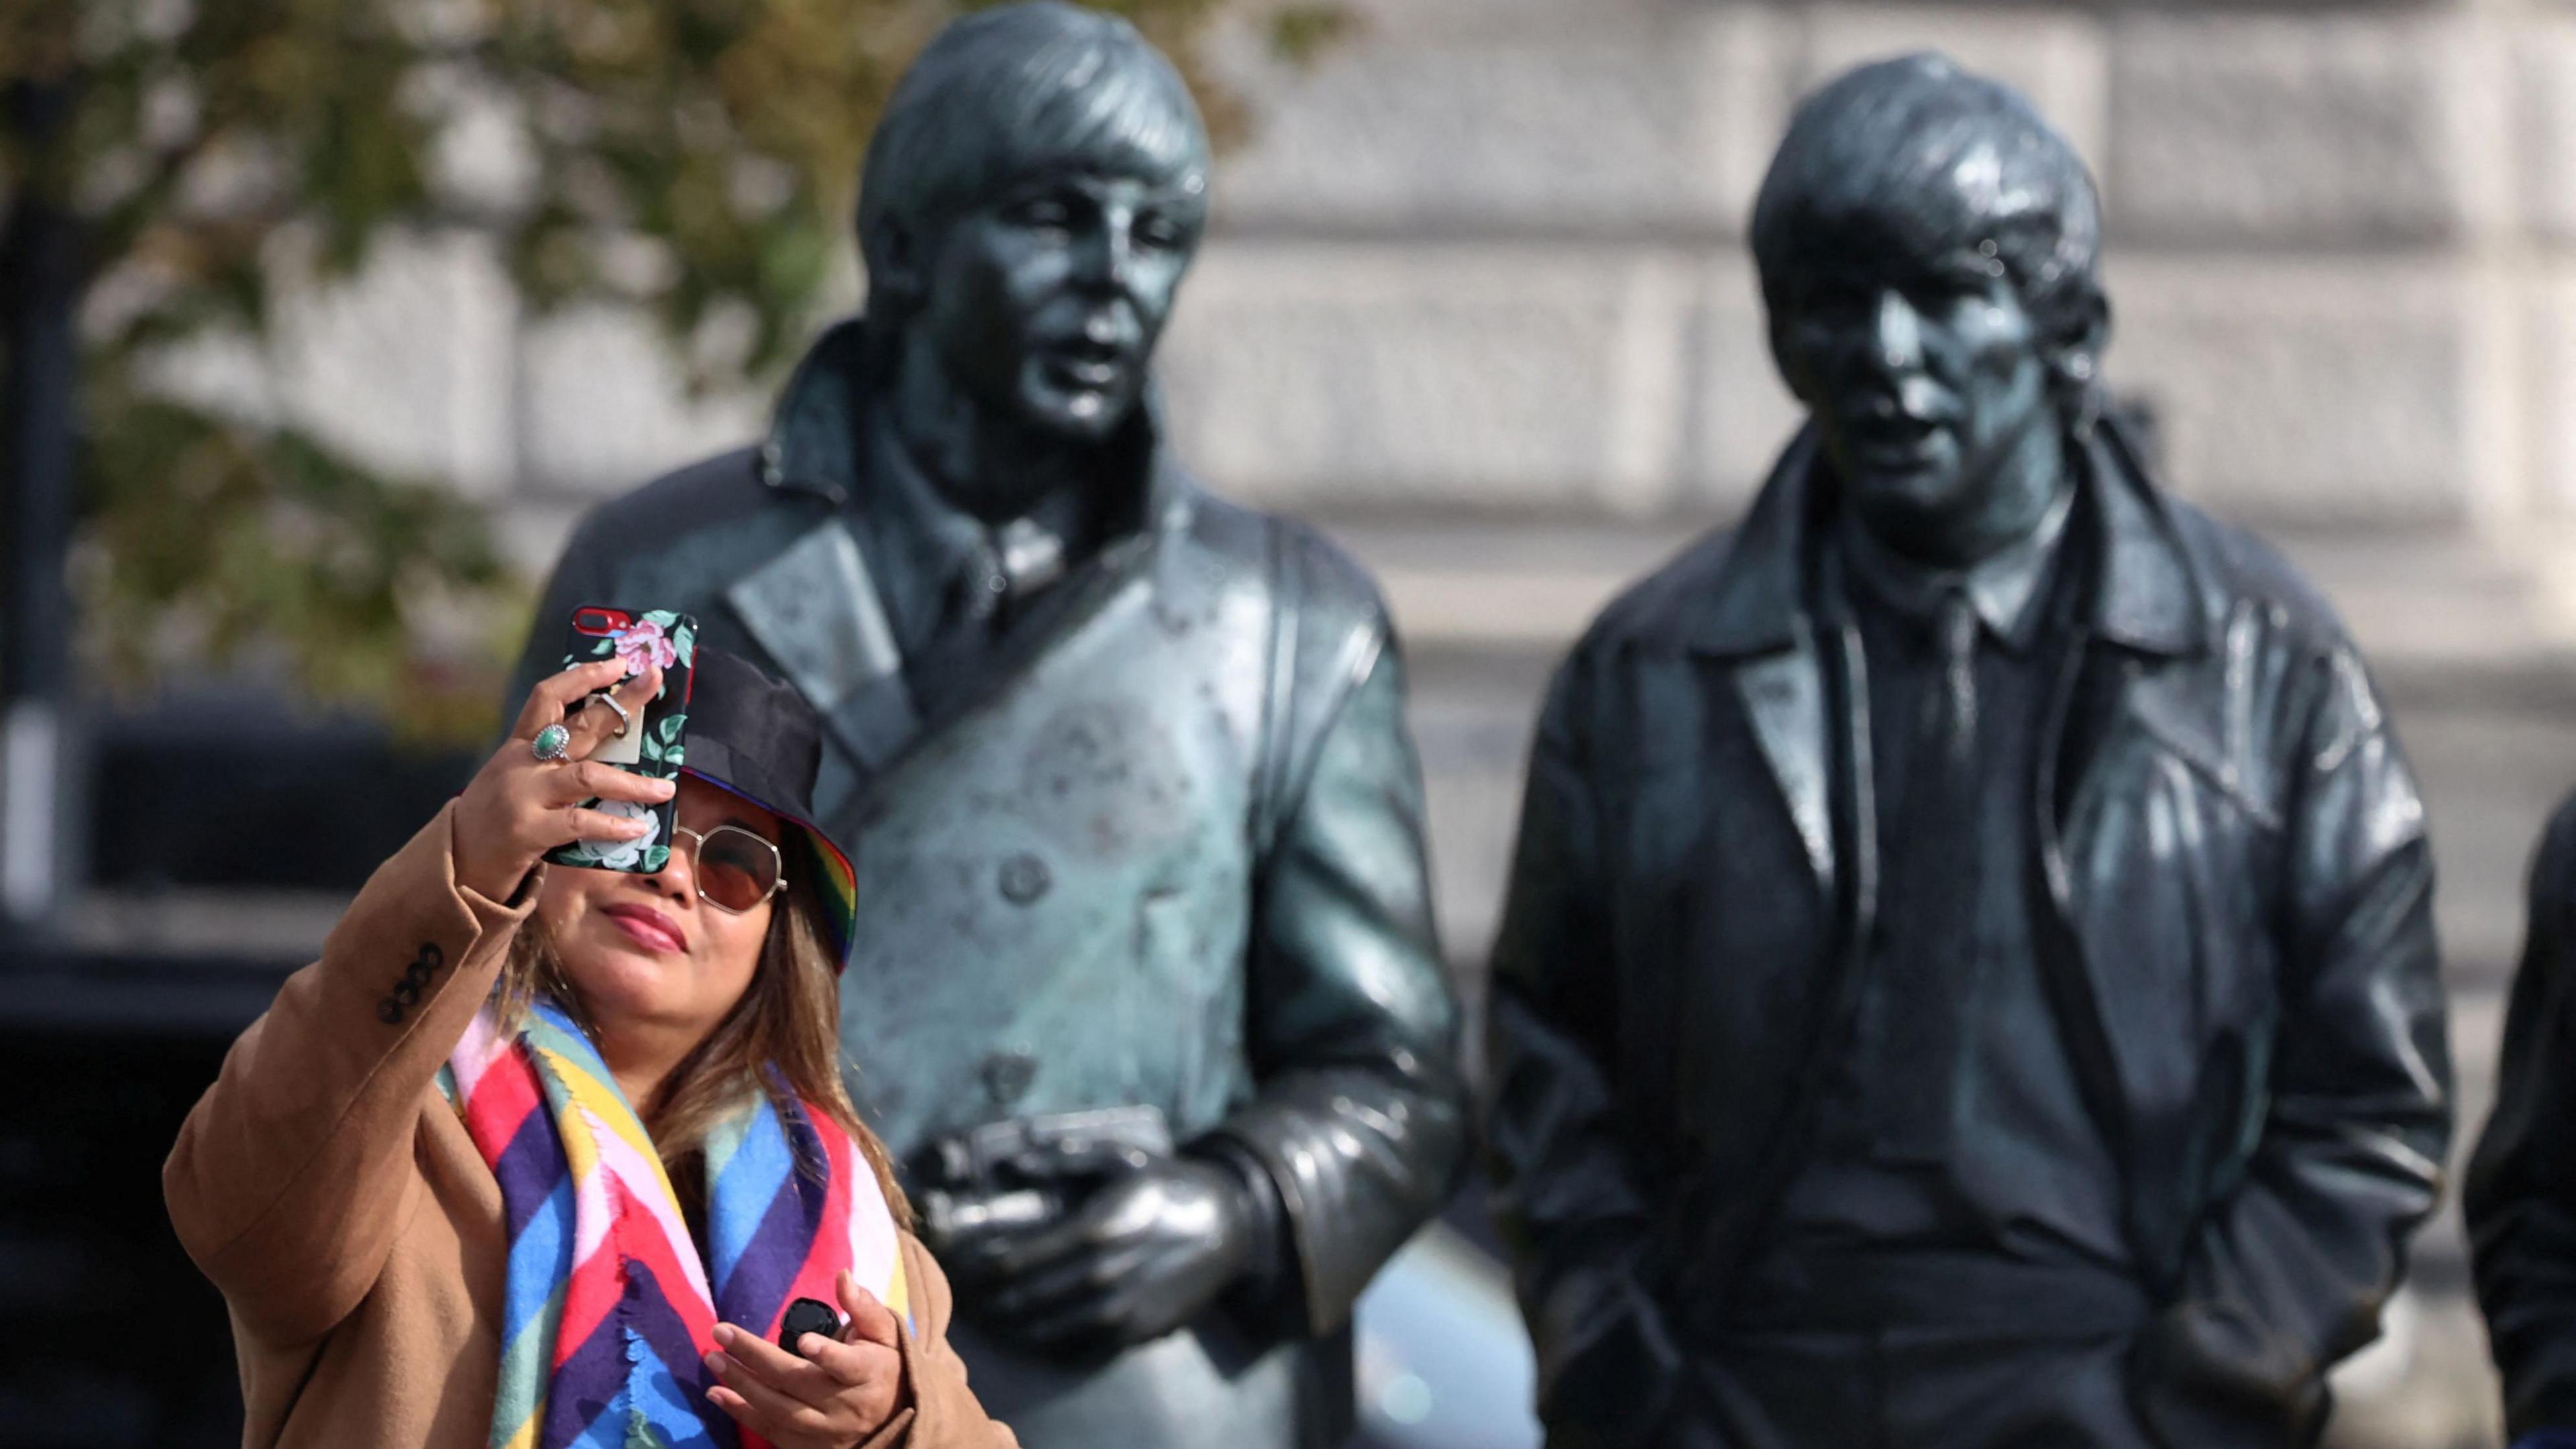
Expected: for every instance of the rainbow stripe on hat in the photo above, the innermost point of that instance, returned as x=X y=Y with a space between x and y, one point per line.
x=836 y=889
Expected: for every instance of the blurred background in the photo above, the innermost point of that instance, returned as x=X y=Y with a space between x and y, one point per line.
x=321 y=321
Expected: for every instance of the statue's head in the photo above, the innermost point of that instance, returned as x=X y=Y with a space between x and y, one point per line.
x=1927 y=249
x=1033 y=194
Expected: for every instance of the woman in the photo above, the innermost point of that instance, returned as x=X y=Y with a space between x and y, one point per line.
x=539 y=1156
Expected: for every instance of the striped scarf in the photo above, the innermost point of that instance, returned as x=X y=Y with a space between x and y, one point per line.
x=608 y=1311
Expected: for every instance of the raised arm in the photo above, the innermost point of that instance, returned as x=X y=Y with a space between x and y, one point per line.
x=1566 y=1194
x=295 y=1170
x=2289 y=1273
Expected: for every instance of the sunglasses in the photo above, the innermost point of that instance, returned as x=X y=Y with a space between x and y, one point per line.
x=735 y=868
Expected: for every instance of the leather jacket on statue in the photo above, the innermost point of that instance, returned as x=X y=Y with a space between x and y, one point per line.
x=1160 y=847
x=2234 y=924
x=2521 y=1192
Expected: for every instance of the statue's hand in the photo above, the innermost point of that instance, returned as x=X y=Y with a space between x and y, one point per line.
x=1141 y=1255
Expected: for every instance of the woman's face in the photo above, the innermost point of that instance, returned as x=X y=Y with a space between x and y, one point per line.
x=644 y=949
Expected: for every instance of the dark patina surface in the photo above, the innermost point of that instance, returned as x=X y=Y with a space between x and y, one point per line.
x=2076 y=1076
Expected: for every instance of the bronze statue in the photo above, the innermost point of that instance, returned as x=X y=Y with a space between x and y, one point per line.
x=1145 y=977
x=1968 y=975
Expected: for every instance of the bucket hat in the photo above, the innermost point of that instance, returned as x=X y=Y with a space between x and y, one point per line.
x=755 y=738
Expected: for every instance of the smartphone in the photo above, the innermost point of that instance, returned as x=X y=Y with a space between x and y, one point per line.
x=652 y=743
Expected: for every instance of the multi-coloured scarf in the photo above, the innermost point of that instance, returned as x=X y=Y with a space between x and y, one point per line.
x=610 y=1308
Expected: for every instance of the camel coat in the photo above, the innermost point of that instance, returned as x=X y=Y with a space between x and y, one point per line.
x=328 y=1189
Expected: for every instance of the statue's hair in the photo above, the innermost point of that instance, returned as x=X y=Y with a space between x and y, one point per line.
x=1005 y=91
x=1920 y=149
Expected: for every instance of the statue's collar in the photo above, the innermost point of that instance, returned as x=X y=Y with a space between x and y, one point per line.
x=814 y=446
x=2146 y=598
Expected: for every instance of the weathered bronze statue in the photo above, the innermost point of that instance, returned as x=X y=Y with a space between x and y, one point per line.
x=2521 y=1193
x=1968 y=976
x=1145 y=978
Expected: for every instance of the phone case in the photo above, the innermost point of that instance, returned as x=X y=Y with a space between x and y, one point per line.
x=653 y=745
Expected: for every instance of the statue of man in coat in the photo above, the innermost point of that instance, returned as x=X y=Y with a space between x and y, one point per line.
x=1968 y=976
x=1145 y=988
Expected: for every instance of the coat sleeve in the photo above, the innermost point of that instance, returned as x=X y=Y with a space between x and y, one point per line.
x=2521 y=1196
x=2289 y=1272
x=1358 y=1118
x=943 y=1412
x=1574 y=1208
x=295 y=1170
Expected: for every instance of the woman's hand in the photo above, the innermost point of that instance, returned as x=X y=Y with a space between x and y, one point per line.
x=519 y=807
x=837 y=1395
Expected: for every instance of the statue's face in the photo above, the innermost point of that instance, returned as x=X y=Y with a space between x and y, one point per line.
x=1928 y=378
x=1045 y=301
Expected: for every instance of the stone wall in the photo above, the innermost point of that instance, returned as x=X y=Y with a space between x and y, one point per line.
x=2332 y=241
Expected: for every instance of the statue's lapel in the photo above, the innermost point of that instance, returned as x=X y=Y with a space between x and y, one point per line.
x=1784 y=698
x=815 y=609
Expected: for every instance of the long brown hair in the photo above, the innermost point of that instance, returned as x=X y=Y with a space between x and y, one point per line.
x=787 y=1021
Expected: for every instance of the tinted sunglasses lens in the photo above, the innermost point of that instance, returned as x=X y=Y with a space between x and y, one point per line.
x=736 y=869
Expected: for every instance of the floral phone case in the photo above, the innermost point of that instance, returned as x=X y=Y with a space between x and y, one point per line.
x=652 y=744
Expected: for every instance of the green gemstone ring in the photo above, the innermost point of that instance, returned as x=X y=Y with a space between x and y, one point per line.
x=552 y=743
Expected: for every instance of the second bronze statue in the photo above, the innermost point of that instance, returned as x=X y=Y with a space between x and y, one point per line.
x=1968 y=975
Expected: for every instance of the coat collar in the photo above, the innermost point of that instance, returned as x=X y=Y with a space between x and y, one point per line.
x=2146 y=597
x=812 y=446
x=2008 y=589
x=817 y=607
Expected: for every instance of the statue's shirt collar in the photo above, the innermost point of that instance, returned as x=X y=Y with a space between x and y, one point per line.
x=935 y=560
x=2004 y=587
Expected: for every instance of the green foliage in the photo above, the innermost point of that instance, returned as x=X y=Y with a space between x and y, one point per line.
x=697 y=159
x=1302 y=33
x=206 y=539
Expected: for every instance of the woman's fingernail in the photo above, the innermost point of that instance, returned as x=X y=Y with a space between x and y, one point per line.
x=715 y=1363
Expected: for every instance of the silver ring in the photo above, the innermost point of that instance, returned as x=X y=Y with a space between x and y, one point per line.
x=552 y=743
x=623 y=718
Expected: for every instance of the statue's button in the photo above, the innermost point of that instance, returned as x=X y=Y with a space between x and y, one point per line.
x=1007 y=1075
x=1024 y=879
